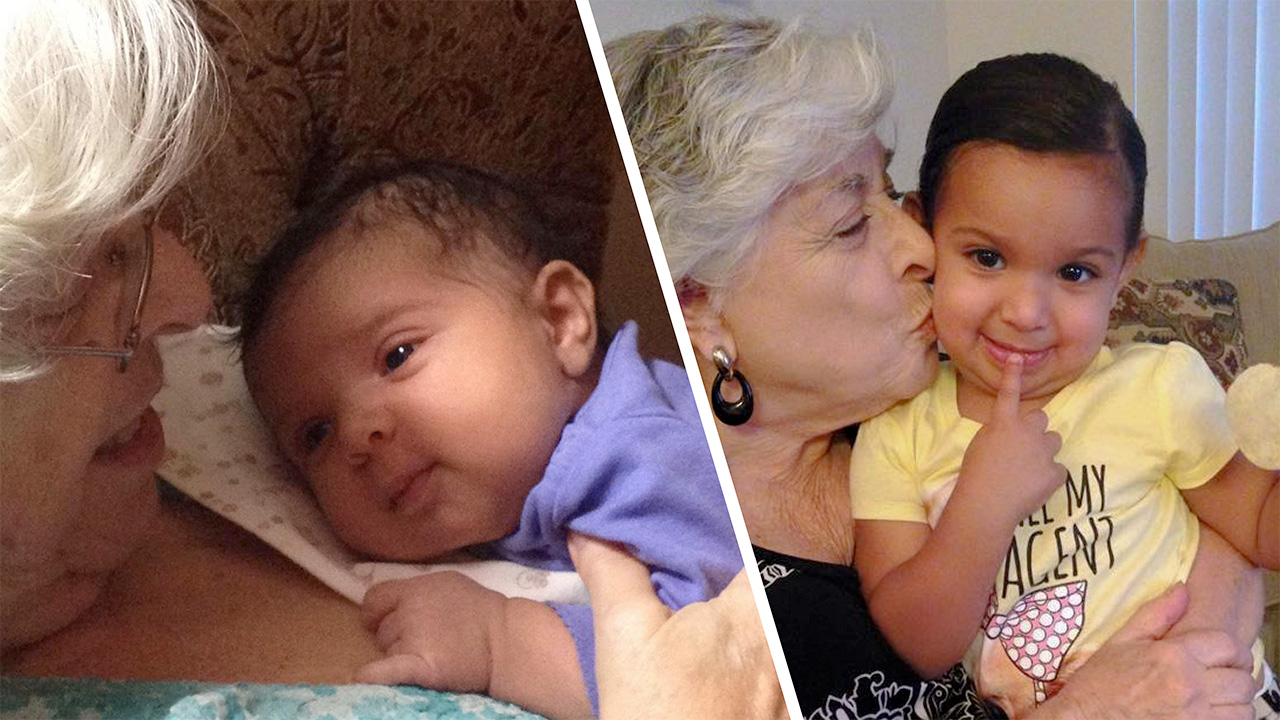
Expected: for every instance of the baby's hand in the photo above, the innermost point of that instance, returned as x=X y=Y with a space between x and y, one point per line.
x=1011 y=458
x=436 y=631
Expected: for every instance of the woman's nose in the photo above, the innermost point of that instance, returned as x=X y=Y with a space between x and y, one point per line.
x=913 y=250
x=178 y=297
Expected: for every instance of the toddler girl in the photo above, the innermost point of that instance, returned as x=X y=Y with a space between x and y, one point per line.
x=1092 y=460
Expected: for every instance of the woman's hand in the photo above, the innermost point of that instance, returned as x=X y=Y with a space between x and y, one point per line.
x=1139 y=673
x=707 y=660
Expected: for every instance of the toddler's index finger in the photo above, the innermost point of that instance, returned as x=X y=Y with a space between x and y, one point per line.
x=1010 y=388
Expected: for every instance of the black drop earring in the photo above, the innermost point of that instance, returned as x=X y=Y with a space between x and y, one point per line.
x=730 y=413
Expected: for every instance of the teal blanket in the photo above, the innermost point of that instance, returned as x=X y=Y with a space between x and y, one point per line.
x=84 y=699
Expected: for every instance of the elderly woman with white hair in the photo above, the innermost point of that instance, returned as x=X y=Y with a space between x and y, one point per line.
x=105 y=105
x=87 y=283
x=804 y=287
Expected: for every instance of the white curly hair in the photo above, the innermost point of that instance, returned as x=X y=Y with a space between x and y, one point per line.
x=102 y=108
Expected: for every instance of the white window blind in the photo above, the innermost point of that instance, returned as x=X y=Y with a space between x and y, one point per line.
x=1207 y=96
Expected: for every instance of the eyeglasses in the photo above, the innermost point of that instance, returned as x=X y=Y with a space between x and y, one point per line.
x=133 y=286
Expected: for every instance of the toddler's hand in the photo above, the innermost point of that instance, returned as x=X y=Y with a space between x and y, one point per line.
x=435 y=630
x=1010 y=460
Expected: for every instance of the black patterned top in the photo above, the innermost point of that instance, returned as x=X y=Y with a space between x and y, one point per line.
x=842 y=667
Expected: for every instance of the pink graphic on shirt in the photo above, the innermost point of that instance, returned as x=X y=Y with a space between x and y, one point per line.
x=1038 y=630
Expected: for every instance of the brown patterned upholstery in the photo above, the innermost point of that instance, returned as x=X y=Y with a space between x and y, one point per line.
x=1204 y=314
x=314 y=88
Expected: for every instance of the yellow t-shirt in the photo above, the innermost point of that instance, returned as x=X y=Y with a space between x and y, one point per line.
x=1141 y=423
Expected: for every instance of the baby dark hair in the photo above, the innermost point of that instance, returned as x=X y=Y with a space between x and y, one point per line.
x=465 y=211
x=1042 y=103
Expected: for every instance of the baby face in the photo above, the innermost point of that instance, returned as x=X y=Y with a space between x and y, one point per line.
x=1031 y=256
x=420 y=406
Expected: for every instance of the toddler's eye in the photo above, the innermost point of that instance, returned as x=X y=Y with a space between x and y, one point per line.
x=1076 y=273
x=314 y=433
x=989 y=259
x=396 y=357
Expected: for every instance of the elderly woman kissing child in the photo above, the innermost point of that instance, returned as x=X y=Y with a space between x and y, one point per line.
x=794 y=266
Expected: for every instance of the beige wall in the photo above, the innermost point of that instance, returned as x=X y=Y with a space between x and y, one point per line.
x=1098 y=33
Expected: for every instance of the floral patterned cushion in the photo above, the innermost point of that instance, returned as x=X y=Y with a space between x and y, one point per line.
x=313 y=89
x=1204 y=314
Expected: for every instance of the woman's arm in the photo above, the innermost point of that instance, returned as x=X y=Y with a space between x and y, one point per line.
x=1225 y=591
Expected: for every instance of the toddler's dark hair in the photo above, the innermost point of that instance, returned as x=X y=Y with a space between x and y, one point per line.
x=1042 y=103
x=463 y=209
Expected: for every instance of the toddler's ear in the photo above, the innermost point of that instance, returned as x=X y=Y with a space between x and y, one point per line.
x=1133 y=258
x=566 y=300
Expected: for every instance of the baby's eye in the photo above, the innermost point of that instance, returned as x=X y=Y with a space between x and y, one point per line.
x=396 y=357
x=314 y=433
x=1076 y=273
x=989 y=259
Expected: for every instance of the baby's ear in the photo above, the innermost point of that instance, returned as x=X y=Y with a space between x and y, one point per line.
x=566 y=300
